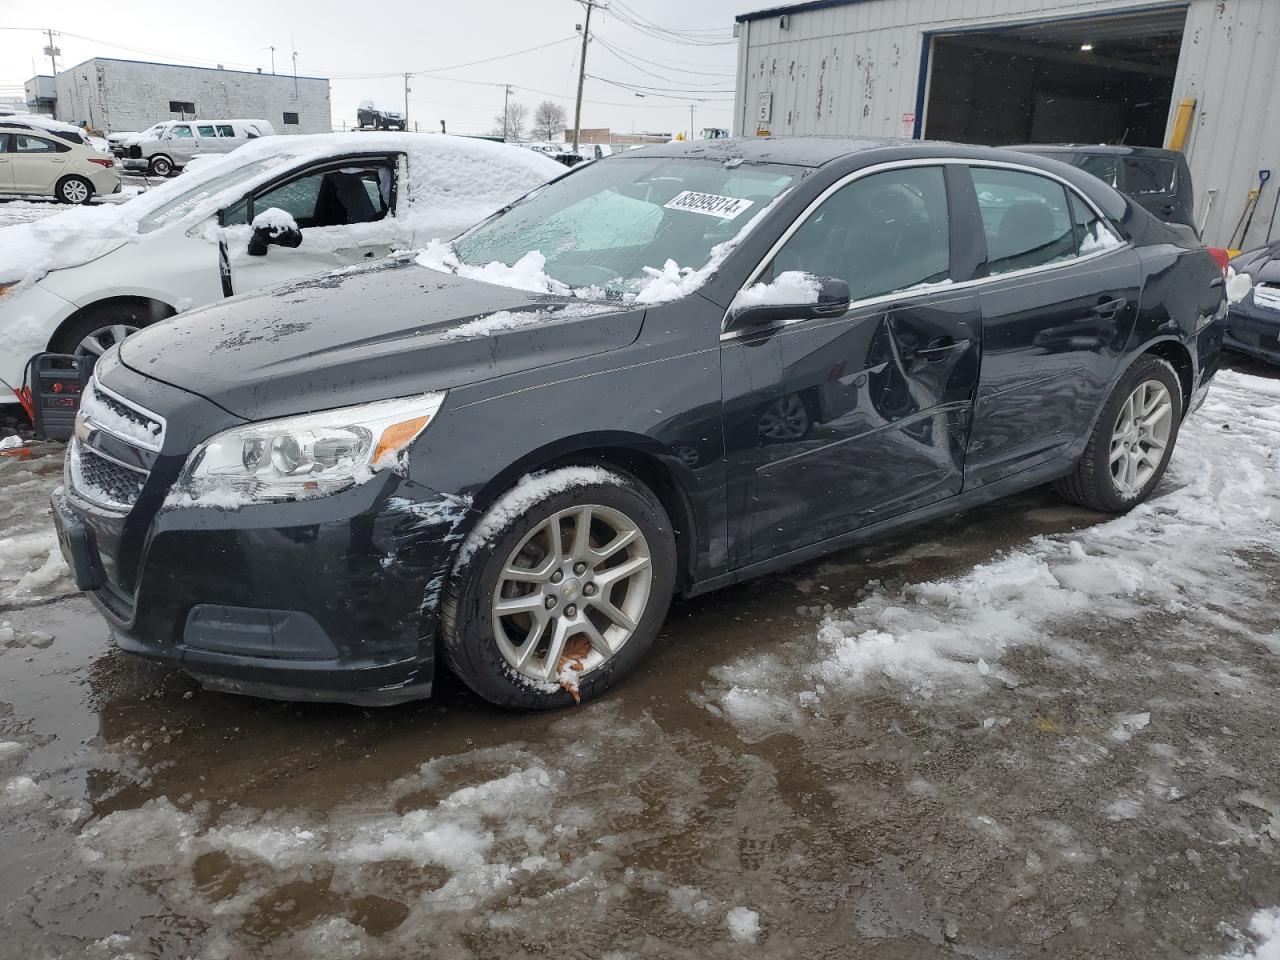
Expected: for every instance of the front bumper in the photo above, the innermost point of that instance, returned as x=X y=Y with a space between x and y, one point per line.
x=331 y=599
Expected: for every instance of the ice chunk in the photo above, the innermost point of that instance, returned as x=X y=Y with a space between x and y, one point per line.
x=744 y=924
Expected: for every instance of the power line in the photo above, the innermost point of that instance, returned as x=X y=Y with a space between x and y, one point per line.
x=637 y=66
x=682 y=31
x=632 y=58
x=642 y=91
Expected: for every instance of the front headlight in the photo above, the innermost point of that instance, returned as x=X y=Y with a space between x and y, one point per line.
x=305 y=456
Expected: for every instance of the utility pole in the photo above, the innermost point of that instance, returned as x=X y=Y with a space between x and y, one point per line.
x=52 y=52
x=406 y=101
x=582 y=70
x=506 y=96
x=691 y=121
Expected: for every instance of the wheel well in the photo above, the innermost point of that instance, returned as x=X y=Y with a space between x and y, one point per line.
x=151 y=310
x=1178 y=357
x=650 y=470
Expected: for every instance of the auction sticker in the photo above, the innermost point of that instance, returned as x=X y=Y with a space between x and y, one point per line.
x=710 y=204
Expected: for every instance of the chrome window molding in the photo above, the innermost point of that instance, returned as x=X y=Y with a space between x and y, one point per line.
x=817 y=202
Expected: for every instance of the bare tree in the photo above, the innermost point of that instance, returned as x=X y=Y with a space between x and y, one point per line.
x=513 y=126
x=548 y=121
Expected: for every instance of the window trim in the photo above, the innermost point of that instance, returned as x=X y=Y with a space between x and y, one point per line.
x=948 y=287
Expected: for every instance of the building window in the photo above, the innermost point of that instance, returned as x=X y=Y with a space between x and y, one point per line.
x=184 y=107
x=291 y=118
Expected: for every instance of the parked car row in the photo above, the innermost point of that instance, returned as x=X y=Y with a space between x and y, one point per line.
x=662 y=373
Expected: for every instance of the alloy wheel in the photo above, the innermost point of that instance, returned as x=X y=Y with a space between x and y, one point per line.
x=74 y=191
x=1140 y=437
x=99 y=341
x=572 y=593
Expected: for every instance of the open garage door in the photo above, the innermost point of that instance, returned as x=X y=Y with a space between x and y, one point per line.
x=1105 y=79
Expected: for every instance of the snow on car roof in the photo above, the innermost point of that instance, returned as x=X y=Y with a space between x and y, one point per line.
x=39 y=120
x=453 y=183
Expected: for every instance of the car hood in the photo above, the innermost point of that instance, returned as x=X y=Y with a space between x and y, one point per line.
x=372 y=333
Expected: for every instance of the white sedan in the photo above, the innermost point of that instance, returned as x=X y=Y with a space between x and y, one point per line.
x=81 y=281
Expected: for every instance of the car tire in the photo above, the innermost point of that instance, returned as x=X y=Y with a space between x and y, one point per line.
x=161 y=166
x=1141 y=417
x=103 y=327
x=549 y=601
x=74 y=190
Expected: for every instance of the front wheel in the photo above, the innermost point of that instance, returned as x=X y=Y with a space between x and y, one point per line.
x=161 y=166
x=560 y=589
x=74 y=190
x=1132 y=441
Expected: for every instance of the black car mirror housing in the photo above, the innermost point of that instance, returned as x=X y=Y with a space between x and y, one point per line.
x=264 y=237
x=833 y=301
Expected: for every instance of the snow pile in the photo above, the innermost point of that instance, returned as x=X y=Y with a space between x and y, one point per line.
x=525 y=274
x=791 y=287
x=1238 y=285
x=276 y=220
x=1099 y=238
x=1179 y=553
x=32 y=568
x=453 y=183
x=504 y=321
x=1265 y=928
x=744 y=924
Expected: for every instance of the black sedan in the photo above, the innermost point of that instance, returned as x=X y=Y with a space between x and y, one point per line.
x=668 y=371
x=1253 y=324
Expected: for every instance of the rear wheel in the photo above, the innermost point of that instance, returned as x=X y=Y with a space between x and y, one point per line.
x=555 y=598
x=1132 y=441
x=74 y=190
x=161 y=166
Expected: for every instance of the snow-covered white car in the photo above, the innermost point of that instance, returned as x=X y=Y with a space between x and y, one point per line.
x=81 y=281
x=36 y=162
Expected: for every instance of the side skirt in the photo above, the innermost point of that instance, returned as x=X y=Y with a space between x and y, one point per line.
x=1044 y=473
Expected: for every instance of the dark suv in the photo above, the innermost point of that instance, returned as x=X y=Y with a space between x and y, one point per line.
x=1159 y=180
x=668 y=371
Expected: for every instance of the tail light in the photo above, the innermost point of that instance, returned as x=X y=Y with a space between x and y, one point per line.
x=103 y=161
x=1220 y=257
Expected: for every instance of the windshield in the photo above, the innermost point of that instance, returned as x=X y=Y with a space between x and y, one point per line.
x=605 y=224
x=177 y=207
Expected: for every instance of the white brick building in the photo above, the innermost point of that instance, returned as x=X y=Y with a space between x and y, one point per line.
x=113 y=95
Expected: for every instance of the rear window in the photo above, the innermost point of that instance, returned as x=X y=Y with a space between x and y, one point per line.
x=226 y=130
x=1148 y=175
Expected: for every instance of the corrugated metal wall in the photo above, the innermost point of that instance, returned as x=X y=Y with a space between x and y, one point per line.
x=856 y=69
x=1228 y=63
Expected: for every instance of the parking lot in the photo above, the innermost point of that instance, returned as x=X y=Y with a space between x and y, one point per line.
x=1025 y=729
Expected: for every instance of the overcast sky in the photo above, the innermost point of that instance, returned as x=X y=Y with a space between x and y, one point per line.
x=352 y=42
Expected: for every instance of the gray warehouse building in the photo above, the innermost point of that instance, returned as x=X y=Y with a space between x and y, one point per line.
x=1201 y=75
x=113 y=95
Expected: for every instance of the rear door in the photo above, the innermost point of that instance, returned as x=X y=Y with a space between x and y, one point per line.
x=836 y=423
x=1057 y=308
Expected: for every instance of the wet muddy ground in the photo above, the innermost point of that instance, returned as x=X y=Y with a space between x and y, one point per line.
x=1077 y=770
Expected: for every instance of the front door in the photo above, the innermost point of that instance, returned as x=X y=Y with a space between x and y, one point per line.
x=835 y=424
x=38 y=163
x=1057 y=309
x=326 y=202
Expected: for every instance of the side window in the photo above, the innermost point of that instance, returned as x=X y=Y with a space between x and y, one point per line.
x=290 y=119
x=331 y=198
x=226 y=130
x=880 y=234
x=1025 y=218
x=181 y=106
x=1091 y=232
x=180 y=131
x=1106 y=169
x=1145 y=176
x=206 y=131
x=237 y=215
x=26 y=144
x=6 y=143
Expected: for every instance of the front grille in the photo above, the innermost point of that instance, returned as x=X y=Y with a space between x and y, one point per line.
x=104 y=481
x=115 y=444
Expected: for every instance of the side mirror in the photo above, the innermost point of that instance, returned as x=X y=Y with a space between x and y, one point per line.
x=273 y=227
x=791 y=296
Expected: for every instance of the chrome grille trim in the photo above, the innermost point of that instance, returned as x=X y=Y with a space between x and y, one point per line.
x=127 y=410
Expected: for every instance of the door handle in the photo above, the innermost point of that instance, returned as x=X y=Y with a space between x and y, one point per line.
x=938 y=349
x=1107 y=309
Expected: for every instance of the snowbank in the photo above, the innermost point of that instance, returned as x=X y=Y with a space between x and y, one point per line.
x=453 y=183
x=1264 y=927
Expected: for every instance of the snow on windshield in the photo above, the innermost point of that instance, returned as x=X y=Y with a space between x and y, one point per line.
x=643 y=229
x=454 y=182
